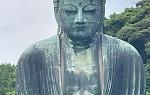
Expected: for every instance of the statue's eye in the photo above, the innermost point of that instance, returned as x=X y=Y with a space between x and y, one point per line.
x=70 y=9
x=90 y=9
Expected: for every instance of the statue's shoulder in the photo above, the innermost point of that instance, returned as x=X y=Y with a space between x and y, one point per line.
x=46 y=43
x=120 y=45
x=41 y=47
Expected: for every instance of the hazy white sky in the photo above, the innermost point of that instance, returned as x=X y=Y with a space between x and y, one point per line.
x=23 y=22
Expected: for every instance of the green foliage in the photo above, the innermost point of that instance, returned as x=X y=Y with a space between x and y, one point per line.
x=142 y=24
x=147 y=49
x=7 y=79
x=143 y=3
x=126 y=32
x=141 y=14
x=116 y=22
x=147 y=75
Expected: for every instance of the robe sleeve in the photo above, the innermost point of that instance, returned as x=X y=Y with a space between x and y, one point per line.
x=28 y=68
x=135 y=75
x=129 y=73
x=37 y=74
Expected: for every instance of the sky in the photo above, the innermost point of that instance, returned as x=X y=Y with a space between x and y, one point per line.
x=24 y=22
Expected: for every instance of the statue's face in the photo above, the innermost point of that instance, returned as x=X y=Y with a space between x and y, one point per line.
x=79 y=18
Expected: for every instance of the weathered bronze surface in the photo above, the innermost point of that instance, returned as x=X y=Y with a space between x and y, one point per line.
x=80 y=60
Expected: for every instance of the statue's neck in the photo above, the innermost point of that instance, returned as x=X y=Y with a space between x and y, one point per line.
x=79 y=44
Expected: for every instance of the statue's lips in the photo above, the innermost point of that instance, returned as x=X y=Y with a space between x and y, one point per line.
x=80 y=28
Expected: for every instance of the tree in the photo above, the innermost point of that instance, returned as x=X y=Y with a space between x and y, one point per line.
x=147 y=75
x=7 y=79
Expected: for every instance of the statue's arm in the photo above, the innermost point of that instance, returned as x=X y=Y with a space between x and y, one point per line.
x=134 y=80
x=138 y=77
x=36 y=74
x=27 y=73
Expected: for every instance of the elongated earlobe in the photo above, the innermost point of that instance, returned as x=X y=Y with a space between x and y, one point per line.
x=55 y=2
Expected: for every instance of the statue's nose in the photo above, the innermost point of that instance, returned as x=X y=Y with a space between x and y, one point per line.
x=79 y=18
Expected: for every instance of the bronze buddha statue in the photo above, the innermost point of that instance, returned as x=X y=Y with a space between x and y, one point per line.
x=80 y=60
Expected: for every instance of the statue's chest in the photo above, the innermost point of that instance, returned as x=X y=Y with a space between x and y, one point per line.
x=81 y=76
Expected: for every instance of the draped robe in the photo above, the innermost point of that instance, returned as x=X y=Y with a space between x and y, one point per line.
x=42 y=69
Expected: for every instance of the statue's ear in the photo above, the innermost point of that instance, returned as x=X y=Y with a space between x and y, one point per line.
x=55 y=2
x=56 y=16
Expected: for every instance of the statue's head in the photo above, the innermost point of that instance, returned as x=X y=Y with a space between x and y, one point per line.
x=79 y=18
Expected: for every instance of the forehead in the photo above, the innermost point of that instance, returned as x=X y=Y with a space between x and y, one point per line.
x=79 y=2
